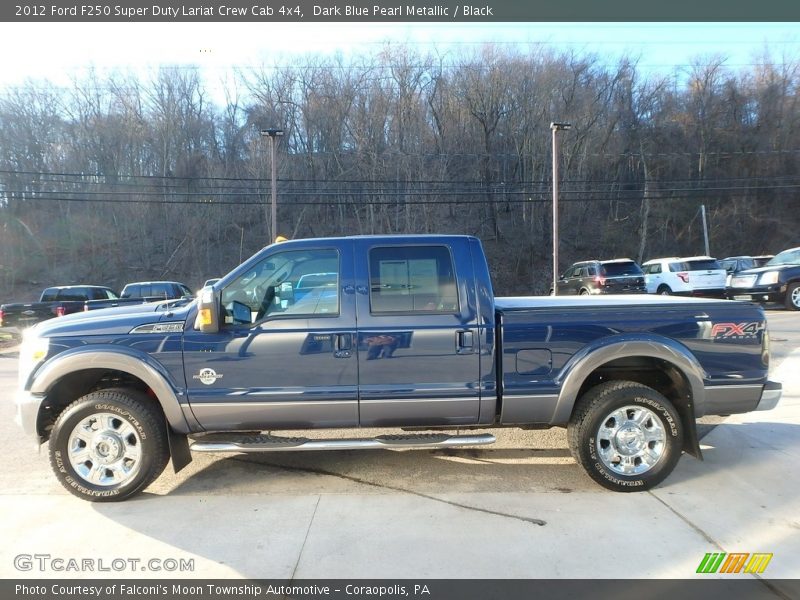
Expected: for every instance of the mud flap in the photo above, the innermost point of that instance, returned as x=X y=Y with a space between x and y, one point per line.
x=178 y=449
x=691 y=443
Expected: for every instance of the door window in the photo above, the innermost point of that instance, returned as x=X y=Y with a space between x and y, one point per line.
x=293 y=283
x=411 y=279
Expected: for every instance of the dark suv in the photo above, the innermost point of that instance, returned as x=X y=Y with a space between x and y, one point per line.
x=618 y=276
x=777 y=281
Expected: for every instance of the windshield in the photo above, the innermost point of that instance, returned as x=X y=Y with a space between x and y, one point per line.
x=787 y=257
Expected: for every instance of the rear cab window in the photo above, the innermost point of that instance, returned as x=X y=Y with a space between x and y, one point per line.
x=73 y=294
x=412 y=279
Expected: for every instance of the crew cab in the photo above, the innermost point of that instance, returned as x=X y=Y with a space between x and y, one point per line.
x=383 y=332
x=54 y=302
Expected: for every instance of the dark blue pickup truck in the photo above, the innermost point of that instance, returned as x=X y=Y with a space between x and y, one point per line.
x=383 y=331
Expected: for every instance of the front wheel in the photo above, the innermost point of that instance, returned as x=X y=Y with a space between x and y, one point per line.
x=664 y=290
x=625 y=435
x=109 y=445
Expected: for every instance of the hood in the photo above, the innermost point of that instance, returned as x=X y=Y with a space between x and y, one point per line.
x=113 y=321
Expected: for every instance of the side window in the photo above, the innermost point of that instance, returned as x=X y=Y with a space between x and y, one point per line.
x=677 y=266
x=652 y=269
x=412 y=279
x=295 y=282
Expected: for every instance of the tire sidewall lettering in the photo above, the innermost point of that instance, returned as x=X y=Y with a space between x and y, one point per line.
x=614 y=398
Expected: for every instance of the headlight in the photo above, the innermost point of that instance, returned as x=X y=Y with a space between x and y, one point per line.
x=768 y=278
x=32 y=351
x=743 y=281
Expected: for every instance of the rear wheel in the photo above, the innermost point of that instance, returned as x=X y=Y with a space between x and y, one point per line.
x=584 y=292
x=109 y=445
x=625 y=435
x=664 y=290
x=793 y=296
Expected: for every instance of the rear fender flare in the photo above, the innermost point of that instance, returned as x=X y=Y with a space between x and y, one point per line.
x=593 y=356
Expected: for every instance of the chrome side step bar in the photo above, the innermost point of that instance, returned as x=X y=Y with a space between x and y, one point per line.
x=270 y=443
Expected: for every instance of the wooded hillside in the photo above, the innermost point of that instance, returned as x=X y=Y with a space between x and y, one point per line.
x=120 y=178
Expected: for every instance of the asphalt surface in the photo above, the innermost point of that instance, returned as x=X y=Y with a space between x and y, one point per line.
x=521 y=508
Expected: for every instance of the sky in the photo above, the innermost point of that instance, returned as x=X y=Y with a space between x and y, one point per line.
x=59 y=51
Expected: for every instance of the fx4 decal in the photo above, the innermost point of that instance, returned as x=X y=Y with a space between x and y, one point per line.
x=737 y=330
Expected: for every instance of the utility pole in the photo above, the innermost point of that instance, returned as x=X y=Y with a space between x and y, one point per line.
x=705 y=227
x=273 y=135
x=556 y=127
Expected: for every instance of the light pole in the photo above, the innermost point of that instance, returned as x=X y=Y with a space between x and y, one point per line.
x=273 y=135
x=556 y=127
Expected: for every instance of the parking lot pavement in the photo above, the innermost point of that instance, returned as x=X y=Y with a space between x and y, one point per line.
x=521 y=509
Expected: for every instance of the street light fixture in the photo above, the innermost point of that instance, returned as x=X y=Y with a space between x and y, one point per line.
x=556 y=127
x=273 y=135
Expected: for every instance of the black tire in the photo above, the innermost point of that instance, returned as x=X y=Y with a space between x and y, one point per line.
x=664 y=290
x=792 y=300
x=584 y=292
x=596 y=408
x=135 y=426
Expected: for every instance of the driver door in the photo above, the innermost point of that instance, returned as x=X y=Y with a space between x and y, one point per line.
x=283 y=357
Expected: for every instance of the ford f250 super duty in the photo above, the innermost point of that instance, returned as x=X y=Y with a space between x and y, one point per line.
x=383 y=331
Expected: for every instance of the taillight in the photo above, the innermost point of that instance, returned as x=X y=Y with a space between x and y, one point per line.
x=600 y=280
x=59 y=311
x=684 y=277
x=1 y=317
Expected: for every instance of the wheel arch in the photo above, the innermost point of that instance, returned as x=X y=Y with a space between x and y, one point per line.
x=658 y=362
x=71 y=375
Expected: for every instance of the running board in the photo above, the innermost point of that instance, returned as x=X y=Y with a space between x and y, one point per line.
x=270 y=443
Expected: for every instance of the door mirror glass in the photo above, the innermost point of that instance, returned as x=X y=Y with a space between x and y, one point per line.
x=240 y=312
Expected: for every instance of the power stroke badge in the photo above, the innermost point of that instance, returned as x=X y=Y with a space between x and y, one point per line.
x=207 y=376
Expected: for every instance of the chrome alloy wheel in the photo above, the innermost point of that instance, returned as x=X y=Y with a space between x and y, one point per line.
x=631 y=440
x=105 y=450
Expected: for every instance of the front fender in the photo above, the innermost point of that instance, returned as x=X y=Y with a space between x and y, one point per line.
x=116 y=358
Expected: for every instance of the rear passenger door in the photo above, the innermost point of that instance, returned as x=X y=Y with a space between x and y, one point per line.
x=417 y=340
